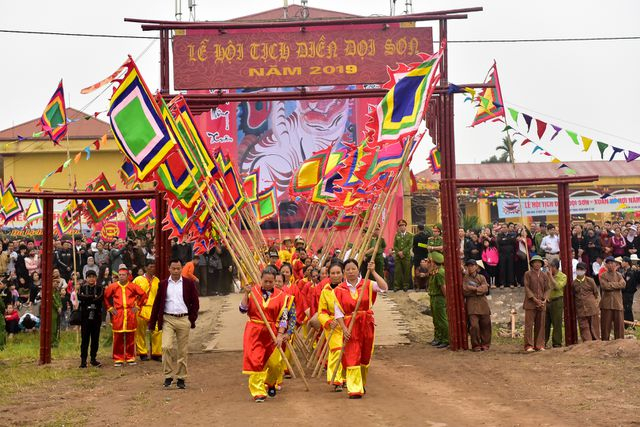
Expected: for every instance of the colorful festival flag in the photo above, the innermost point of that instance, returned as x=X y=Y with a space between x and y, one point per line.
x=227 y=186
x=250 y=186
x=34 y=212
x=182 y=172
x=11 y=206
x=67 y=218
x=309 y=173
x=137 y=124
x=54 y=117
x=191 y=138
x=127 y=172
x=265 y=207
x=434 y=160
x=99 y=210
x=401 y=110
x=491 y=105
x=176 y=221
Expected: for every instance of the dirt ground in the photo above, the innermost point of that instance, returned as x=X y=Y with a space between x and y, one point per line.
x=413 y=385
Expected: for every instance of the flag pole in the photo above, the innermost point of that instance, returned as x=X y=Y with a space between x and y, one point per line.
x=279 y=229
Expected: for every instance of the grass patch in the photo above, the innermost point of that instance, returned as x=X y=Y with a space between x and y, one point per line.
x=21 y=371
x=68 y=418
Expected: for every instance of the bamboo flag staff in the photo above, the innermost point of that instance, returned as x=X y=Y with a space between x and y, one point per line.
x=372 y=225
x=244 y=279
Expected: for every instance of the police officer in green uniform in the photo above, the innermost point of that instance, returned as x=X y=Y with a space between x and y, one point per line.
x=435 y=242
x=438 y=302
x=377 y=258
x=402 y=244
x=55 y=318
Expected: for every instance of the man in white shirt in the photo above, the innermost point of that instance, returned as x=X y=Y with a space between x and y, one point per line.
x=551 y=243
x=175 y=310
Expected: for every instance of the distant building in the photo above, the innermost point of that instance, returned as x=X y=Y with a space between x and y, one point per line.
x=30 y=160
x=617 y=178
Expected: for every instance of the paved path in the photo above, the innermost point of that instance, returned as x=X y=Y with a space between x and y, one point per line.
x=390 y=330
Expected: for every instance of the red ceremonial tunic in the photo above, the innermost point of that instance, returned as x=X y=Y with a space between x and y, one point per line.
x=298 y=269
x=295 y=290
x=123 y=298
x=358 y=349
x=257 y=342
x=313 y=295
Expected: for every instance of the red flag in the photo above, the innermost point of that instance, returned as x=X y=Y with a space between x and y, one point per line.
x=542 y=127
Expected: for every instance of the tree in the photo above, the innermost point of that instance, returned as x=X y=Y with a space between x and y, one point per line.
x=506 y=148
x=494 y=159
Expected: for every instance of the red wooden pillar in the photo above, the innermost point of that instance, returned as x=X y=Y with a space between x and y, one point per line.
x=564 y=231
x=47 y=281
x=163 y=248
x=164 y=61
x=449 y=203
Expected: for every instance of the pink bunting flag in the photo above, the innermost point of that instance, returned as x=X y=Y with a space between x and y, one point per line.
x=541 y=127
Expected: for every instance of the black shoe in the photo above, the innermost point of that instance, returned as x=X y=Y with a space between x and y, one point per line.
x=435 y=343
x=181 y=384
x=167 y=382
x=82 y=365
x=144 y=358
x=442 y=345
x=95 y=363
x=259 y=399
x=156 y=358
x=271 y=392
x=355 y=396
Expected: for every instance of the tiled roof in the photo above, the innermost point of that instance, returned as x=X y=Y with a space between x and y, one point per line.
x=82 y=129
x=536 y=170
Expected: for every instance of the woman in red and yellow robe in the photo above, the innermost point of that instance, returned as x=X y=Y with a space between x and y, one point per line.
x=333 y=333
x=261 y=358
x=358 y=345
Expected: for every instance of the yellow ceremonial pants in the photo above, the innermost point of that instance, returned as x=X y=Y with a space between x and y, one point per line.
x=357 y=379
x=142 y=343
x=333 y=360
x=283 y=365
x=259 y=381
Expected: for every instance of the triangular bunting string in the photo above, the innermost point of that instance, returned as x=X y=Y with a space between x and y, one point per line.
x=541 y=128
x=527 y=119
x=616 y=150
x=631 y=156
x=573 y=136
x=601 y=147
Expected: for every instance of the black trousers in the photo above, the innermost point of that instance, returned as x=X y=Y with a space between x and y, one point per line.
x=627 y=304
x=506 y=276
x=90 y=331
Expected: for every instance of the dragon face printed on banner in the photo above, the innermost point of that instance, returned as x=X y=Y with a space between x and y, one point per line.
x=296 y=130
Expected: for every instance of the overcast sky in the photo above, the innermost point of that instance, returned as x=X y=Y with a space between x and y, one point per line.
x=589 y=87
